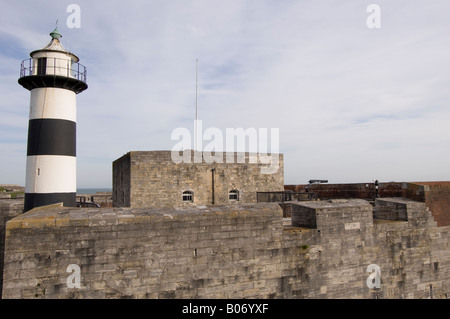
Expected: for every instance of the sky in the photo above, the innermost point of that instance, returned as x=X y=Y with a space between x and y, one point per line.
x=352 y=102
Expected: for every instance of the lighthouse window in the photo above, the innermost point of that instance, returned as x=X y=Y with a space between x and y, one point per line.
x=233 y=195
x=188 y=196
x=42 y=66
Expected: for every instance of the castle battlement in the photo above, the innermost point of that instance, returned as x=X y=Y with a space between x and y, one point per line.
x=229 y=251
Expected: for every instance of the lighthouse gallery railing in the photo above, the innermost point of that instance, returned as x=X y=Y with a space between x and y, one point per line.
x=54 y=66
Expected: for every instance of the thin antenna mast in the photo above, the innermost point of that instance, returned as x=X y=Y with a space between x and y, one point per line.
x=196 y=106
x=196 y=90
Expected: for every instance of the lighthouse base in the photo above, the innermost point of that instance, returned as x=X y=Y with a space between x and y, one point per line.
x=33 y=200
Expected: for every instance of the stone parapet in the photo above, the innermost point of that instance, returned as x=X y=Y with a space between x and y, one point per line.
x=234 y=251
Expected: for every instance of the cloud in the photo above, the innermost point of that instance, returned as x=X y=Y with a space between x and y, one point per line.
x=351 y=103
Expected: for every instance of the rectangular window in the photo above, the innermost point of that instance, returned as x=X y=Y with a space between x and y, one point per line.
x=233 y=195
x=42 y=66
x=188 y=196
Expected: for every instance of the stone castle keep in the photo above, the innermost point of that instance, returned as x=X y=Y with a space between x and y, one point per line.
x=199 y=229
x=152 y=179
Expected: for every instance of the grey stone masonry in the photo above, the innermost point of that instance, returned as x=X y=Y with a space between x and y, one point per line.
x=232 y=251
x=217 y=252
x=333 y=215
x=151 y=179
x=9 y=208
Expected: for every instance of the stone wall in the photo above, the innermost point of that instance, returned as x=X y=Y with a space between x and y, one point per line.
x=413 y=256
x=214 y=252
x=122 y=181
x=9 y=208
x=436 y=195
x=391 y=209
x=145 y=179
x=239 y=251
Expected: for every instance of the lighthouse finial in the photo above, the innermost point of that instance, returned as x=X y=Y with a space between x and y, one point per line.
x=55 y=33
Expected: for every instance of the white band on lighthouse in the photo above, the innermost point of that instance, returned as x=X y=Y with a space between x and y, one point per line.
x=51 y=174
x=53 y=103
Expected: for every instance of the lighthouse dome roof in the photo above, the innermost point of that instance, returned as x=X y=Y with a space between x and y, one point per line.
x=56 y=45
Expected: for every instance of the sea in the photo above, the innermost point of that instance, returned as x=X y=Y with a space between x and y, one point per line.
x=85 y=191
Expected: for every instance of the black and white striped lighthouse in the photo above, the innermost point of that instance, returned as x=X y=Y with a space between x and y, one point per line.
x=54 y=78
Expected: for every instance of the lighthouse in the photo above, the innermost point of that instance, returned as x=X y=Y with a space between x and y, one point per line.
x=54 y=78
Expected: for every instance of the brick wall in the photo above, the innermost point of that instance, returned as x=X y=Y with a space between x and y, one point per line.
x=354 y=190
x=437 y=199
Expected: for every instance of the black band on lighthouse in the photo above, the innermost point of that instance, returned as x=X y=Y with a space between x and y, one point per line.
x=35 y=199
x=51 y=137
